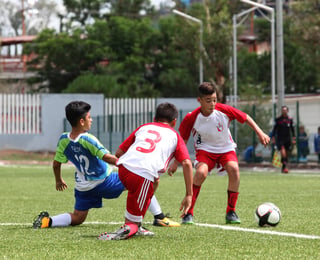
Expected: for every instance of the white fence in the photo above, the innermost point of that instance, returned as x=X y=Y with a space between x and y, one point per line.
x=20 y=114
x=34 y=122
x=126 y=114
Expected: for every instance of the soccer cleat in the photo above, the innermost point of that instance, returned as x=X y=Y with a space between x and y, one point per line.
x=42 y=220
x=142 y=231
x=165 y=222
x=121 y=234
x=187 y=219
x=285 y=170
x=232 y=218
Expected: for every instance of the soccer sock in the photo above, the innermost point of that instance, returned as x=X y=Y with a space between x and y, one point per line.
x=196 y=191
x=155 y=208
x=61 y=220
x=159 y=216
x=232 y=200
x=284 y=161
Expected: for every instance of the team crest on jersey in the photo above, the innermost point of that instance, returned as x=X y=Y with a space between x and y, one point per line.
x=76 y=149
x=220 y=127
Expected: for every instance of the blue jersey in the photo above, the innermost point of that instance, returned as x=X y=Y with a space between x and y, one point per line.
x=86 y=153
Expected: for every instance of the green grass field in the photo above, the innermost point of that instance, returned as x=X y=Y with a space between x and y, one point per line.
x=27 y=190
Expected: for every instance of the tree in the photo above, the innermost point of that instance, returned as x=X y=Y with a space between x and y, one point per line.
x=300 y=53
x=152 y=57
x=303 y=35
x=130 y=52
x=175 y=67
x=119 y=41
x=62 y=58
x=83 y=10
x=180 y=52
x=131 y=8
x=253 y=75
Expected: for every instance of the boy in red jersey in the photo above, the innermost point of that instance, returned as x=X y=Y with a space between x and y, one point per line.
x=209 y=125
x=143 y=157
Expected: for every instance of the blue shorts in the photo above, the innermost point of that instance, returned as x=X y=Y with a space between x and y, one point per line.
x=111 y=188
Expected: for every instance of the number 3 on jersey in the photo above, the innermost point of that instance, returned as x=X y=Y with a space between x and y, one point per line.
x=152 y=142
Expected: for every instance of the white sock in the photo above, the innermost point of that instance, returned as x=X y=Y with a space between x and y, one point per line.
x=62 y=220
x=154 y=206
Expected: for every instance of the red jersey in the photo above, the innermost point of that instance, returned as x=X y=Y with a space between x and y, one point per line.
x=211 y=133
x=150 y=148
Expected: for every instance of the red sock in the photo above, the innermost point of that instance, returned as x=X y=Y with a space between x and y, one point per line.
x=196 y=191
x=232 y=200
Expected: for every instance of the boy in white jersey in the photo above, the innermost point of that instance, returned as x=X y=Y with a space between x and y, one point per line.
x=209 y=125
x=143 y=157
x=94 y=177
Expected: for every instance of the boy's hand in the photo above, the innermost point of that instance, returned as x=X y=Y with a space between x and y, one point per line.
x=185 y=205
x=173 y=168
x=61 y=185
x=264 y=139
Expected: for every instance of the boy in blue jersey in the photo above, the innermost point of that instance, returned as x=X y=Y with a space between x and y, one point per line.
x=94 y=177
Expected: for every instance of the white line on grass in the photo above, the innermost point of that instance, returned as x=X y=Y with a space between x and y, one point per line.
x=260 y=231
x=225 y=227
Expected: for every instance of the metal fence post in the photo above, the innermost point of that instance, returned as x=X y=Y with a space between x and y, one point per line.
x=297 y=132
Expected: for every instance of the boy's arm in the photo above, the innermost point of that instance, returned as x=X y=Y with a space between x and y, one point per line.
x=60 y=184
x=188 y=179
x=273 y=132
x=293 y=132
x=174 y=165
x=110 y=158
x=119 y=152
x=264 y=138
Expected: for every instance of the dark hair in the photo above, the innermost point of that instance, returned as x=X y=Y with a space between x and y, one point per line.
x=76 y=110
x=285 y=107
x=206 y=88
x=166 y=112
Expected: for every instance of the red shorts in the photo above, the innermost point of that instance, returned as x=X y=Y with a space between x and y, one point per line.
x=140 y=192
x=212 y=158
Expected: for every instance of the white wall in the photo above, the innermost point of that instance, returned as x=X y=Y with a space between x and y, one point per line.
x=52 y=115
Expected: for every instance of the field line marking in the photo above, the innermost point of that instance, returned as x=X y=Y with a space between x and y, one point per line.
x=225 y=227
x=264 y=231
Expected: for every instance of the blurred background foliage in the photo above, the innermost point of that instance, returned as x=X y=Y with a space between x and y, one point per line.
x=134 y=50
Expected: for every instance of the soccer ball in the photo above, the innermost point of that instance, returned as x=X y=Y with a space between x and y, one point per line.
x=267 y=214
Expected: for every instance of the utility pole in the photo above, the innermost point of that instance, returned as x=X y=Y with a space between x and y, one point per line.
x=273 y=64
x=23 y=19
x=280 y=59
x=201 y=39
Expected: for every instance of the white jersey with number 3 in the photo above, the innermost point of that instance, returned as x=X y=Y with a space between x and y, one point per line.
x=150 y=148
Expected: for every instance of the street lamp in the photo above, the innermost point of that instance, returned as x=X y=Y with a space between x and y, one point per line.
x=235 y=67
x=201 y=36
x=270 y=10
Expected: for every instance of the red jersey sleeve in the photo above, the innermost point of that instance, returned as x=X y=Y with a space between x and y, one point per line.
x=124 y=146
x=187 y=123
x=231 y=112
